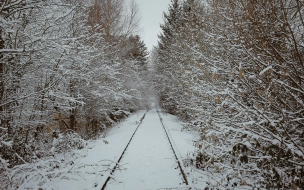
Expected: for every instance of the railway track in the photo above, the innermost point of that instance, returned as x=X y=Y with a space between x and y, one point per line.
x=174 y=152
x=184 y=177
x=115 y=167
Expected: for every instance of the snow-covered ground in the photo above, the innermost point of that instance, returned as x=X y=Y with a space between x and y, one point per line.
x=183 y=143
x=80 y=169
x=148 y=163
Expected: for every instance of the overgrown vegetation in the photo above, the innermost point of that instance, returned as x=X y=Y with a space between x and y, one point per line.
x=233 y=70
x=68 y=71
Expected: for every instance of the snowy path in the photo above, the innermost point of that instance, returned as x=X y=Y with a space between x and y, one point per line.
x=92 y=165
x=149 y=161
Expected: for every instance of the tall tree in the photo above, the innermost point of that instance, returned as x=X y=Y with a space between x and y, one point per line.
x=136 y=49
x=114 y=18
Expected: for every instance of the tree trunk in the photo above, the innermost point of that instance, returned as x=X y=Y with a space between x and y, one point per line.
x=4 y=121
x=1 y=78
x=72 y=122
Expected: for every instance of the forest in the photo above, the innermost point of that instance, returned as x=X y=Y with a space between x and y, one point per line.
x=68 y=71
x=232 y=71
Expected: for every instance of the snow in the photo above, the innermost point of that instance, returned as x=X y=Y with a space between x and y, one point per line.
x=265 y=70
x=11 y=50
x=12 y=4
x=248 y=123
x=90 y=164
x=65 y=14
x=9 y=144
x=182 y=140
x=148 y=163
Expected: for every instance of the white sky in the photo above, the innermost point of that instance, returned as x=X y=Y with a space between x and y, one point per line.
x=151 y=17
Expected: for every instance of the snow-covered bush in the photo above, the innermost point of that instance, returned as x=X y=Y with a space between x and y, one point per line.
x=67 y=142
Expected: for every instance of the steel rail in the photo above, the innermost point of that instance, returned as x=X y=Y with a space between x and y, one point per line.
x=171 y=145
x=178 y=162
x=113 y=170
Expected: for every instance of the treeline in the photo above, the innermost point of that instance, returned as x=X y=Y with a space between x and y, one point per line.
x=68 y=70
x=234 y=71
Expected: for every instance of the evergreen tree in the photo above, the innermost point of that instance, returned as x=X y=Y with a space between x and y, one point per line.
x=137 y=49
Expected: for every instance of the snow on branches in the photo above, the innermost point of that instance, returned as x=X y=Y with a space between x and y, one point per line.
x=61 y=79
x=234 y=71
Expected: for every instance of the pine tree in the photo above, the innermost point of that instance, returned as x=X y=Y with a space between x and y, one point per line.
x=137 y=49
x=171 y=24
